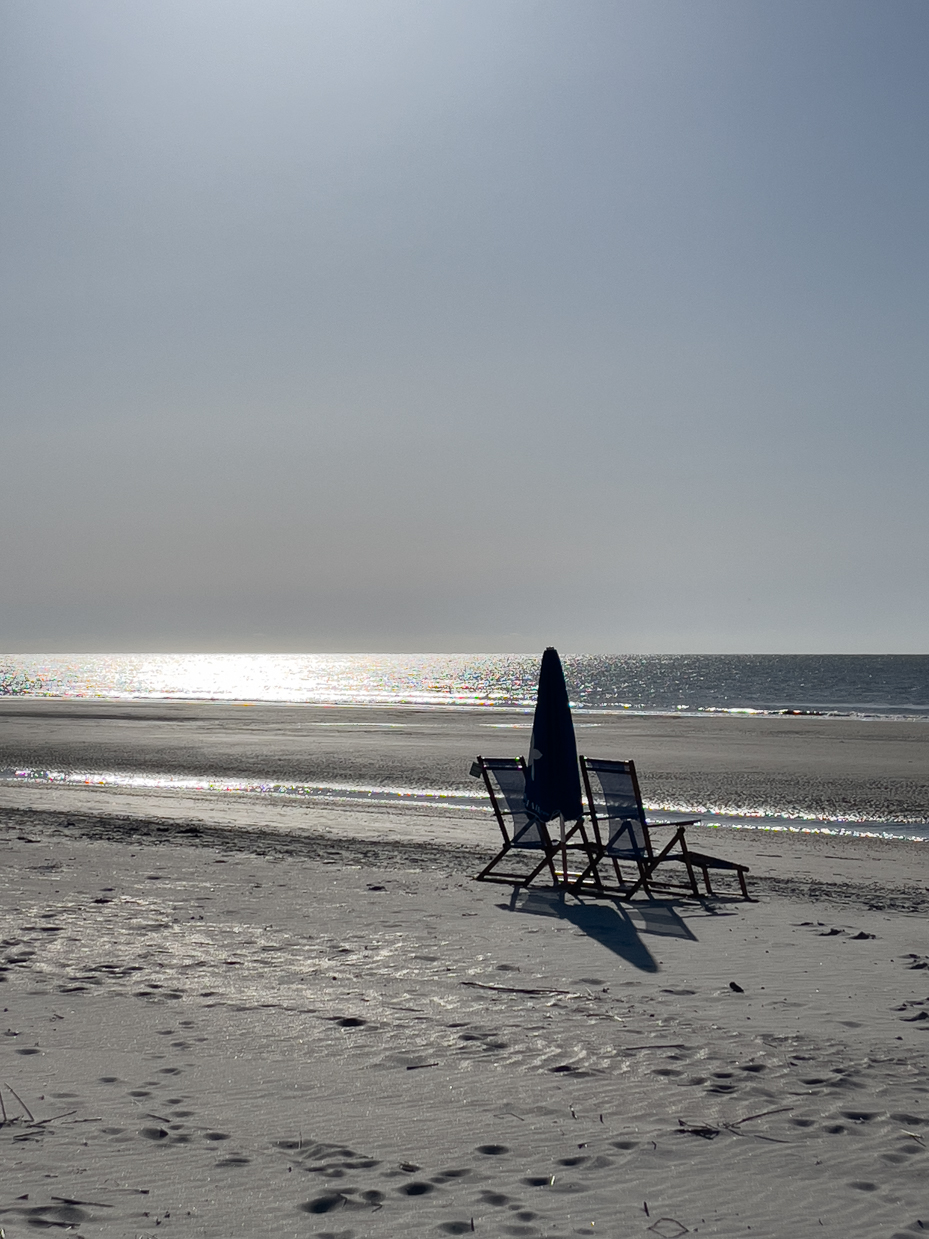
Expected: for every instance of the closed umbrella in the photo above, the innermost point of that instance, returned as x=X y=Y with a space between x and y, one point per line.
x=553 y=784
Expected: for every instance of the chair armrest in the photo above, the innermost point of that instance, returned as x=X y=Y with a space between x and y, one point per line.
x=684 y=821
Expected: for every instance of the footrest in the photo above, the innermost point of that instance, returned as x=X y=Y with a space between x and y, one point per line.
x=714 y=862
x=704 y=862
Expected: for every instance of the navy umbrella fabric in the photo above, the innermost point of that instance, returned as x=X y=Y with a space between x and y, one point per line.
x=553 y=784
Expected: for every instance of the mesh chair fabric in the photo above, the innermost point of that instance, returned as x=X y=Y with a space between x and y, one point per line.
x=509 y=782
x=617 y=805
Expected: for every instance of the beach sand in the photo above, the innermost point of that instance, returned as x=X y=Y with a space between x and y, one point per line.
x=232 y=1016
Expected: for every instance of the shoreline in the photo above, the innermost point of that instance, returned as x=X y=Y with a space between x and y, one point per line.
x=812 y=768
x=916 y=714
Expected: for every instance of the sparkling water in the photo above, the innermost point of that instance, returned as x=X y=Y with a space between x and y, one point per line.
x=874 y=685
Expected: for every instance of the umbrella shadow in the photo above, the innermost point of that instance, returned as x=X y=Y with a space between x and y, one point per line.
x=616 y=926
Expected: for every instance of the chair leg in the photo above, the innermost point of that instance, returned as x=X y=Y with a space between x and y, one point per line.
x=641 y=884
x=546 y=860
x=647 y=870
x=487 y=868
x=695 y=890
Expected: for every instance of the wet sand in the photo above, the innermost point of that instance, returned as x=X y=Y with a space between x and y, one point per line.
x=810 y=766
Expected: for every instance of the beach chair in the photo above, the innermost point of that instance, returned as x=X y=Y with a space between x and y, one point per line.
x=505 y=781
x=621 y=834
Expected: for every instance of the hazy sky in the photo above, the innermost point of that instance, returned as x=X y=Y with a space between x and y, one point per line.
x=465 y=325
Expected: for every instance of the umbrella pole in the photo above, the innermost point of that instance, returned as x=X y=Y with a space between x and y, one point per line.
x=564 y=851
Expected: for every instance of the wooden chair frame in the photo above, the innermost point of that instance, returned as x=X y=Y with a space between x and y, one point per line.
x=536 y=836
x=641 y=852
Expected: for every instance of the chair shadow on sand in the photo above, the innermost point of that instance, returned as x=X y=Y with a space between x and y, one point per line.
x=607 y=921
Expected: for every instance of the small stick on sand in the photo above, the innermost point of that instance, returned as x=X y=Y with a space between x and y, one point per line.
x=66 y=1200
x=29 y=1113
x=764 y=1113
x=704 y=1131
x=510 y=989
x=670 y=1045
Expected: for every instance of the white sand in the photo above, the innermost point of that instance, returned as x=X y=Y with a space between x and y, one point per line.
x=183 y=1008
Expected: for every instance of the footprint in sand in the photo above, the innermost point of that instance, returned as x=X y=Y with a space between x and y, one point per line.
x=331 y=1161
x=486 y=1041
x=496 y=1199
x=492 y=1150
x=330 y=1201
x=64 y=1215
x=446 y=1176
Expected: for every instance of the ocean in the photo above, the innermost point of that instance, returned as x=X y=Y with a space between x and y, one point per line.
x=868 y=687
x=864 y=686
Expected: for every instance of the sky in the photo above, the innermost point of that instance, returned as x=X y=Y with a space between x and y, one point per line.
x=460 y=325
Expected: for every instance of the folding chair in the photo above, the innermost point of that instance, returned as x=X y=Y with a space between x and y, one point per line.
x=621 y=833
x=505 y=780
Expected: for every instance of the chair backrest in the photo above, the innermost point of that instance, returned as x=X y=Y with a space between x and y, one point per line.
x=615 y=805
x=505 y=780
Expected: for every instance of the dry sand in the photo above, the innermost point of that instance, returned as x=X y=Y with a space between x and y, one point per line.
x=226 y=1017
